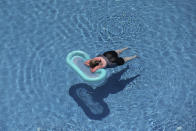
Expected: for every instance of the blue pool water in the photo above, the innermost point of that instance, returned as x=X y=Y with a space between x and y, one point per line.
x=155 y=92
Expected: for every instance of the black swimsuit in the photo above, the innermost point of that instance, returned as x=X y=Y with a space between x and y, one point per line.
x=112 y=59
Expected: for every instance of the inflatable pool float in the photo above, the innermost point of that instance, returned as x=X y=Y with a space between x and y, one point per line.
x=76 y=60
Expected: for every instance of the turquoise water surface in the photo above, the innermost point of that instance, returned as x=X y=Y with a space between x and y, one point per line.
x=155 y=92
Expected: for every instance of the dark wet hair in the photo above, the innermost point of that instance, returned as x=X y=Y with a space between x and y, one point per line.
x=94 y=63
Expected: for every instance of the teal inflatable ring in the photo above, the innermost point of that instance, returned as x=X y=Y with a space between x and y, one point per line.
x=76 y=60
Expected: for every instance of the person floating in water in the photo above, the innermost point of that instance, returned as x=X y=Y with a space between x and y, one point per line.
x=109 y=59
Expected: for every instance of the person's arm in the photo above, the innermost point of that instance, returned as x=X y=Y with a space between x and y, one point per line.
x=92 y=69
x=95 y=68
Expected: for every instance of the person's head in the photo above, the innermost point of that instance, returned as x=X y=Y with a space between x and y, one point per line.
x=94 y=63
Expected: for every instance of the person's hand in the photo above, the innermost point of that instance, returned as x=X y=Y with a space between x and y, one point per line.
x=87 y=62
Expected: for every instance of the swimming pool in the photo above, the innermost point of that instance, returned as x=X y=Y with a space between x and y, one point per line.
x=40 y=92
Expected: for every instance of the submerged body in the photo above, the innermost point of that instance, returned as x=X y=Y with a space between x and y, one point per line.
x=109 y=59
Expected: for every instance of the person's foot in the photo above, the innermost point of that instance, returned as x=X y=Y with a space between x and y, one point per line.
x=134 y=56
x=125 y=48
x=121 y=50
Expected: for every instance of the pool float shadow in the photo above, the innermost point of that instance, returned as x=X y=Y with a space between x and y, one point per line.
x=91 y=100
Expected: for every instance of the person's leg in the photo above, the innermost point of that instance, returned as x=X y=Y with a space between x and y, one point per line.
x=120 y=50
x=129 y=58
